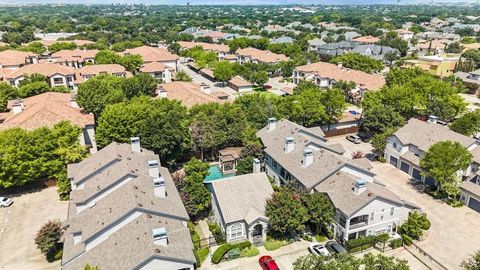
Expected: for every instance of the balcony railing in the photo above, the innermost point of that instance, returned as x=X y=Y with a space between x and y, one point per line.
x=357 y=225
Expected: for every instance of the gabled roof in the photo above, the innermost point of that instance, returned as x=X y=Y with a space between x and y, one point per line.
x=366 y=39
x=154 y=67
x=205 y=46
x=429 y=134
x=46 y=69
x=239 y=81
x=242 y=197
x=46 y=110
x=74 y=55
x=152 y=54
x=188 y=93
x=14 y=58
x=262 y=56
x=102 y=68
x=331 y=71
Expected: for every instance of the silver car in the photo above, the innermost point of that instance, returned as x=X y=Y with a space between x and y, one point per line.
x=354 y=139
x=5 y=202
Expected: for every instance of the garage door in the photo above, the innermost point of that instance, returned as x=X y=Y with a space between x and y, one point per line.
x=429 y=181
x=474 y=204
x=416 y=174
x=404 y=167
x=393 y=161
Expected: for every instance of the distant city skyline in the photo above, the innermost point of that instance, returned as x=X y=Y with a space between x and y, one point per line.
x=228 y=2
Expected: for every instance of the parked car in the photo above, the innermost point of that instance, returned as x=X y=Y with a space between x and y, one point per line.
x=365 y=137
x=335 y=248
x=267 y=263
x=5 y=202
x=318 y=249
x=266 y=86
x=354 y=139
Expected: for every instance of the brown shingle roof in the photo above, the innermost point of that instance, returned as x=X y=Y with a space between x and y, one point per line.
x=205 y=46
x=239 y=81
x=152 y=54
x=262 y=56
x=46 y=109
x=366 y=39
x=103 y=68
x=74 y=55
x=188 y=93
x=331 y=71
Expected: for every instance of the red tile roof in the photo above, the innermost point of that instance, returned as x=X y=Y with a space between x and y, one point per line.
x=152 y=54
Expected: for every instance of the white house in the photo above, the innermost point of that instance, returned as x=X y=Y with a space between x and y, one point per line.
x=239 y=204
x=58 y=75
x=407 y=145
x=303 y=155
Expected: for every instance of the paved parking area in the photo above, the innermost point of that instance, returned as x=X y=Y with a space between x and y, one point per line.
x=19 y=224
x=455 y=232
x=350 y=147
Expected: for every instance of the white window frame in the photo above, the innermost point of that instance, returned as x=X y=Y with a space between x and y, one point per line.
x=235 y=234
x=372 y=216
x=392 y=211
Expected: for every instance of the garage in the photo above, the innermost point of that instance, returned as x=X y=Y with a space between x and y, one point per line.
x=393 y=161
x=474 y=204
x=416 y=174
x=404 y=167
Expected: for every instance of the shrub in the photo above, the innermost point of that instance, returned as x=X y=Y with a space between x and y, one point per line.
x=201 y=255
x=320 y=238
x=274 y=244
x=47 y=238
x=233 y=253
x=307 y=238
x=250 y=252
x=396 y=243
x=407 y=240
x=217 y=233
x=223 y=249
x=365 y=242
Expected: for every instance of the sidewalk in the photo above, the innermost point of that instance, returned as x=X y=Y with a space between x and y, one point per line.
x=284 y=256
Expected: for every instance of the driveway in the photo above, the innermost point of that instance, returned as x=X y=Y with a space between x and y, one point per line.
x=454 y=234
x=472 y=100
x=197 y=78
x=350 y=147
x=20 y=222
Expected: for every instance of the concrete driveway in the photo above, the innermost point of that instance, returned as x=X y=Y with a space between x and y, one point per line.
x=19 y=224
x=455 y=232
x=197 y=78
x=350 y=147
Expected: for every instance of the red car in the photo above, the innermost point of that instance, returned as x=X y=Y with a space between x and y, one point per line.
x=267 y=263
x=266 y=86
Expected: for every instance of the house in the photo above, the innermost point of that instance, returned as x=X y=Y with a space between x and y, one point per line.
x=46 y=110
x=335 y=49
x=470 y=79
x=437 y=35
x=125 y=213
x=282 y=40
x=407 y=146
x=188 y=93
x=58 y=75
x=12 y=59
x=350 y=35
x=74 y=58
x=313 y=44
x=432 y=46
x=253 y=55
x=238 y=204
x=158 y=71
x=303 y=156
x=405 y=34
x=375 y=51
x=349 y=122
x=438 y=65
x=239 y=84
x=220 y=49
x=366 y=40
x=155 y=54
x=326 y=75
x=89 y=71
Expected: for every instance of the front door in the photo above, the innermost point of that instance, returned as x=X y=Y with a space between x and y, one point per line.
x=258 y=230
x=474 y=204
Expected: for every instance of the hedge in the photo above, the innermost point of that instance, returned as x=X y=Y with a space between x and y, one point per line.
x=273 y=245
x=217 y=233
x=365 y=242
x=396 y=243
x=201 y=255
x=223 y=249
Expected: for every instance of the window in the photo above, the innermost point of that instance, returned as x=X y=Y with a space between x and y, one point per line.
x=392 y=211
x=395 y=145
x=372 y=216
x=57 y=80
x=369 y=232
x=389 y=228
x=236 y=231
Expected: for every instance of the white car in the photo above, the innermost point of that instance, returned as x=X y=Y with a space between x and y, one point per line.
x=5 y=202
x=318 y=249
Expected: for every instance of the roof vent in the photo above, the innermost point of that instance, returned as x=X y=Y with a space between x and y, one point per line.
x=360 y=186
x=159 y=187
x=160 y=236
x=153 y=168
x=272 y=124
x=135 y=144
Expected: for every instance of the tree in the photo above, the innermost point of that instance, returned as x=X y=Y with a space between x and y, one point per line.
x=182 y=76
x=106 y=57
x=58 y=46
x=48 y=237
x=141 y=84
x=194 y=194
x=307 y=108
x=443 y=161
x=391 y=39
x=161 y=124
x=131 y=62
x=223 y=71
x=286 y=213
x=245 y=165
x=379 y=141
x=99 y=92
x=359 y=62
x=35 y=77
x=259 y=78
x=390 y=57
x=473 y=262
x=334 y=102
x=304 y=85
x=33 y=89
x=472 y=55
x=7 y=92
x=454 y=47
x=319 y=208
x=380 y=261
x=347 y=261
x=415 y=225
x=468 y=124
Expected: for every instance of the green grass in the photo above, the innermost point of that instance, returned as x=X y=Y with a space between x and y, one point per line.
x=320 y=238
x=250 y=252
x=274 y=244
x=201 y=254
x=199 y=231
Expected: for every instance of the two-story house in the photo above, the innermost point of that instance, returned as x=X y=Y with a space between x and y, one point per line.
x=58 y=75
x=253 y=55
x=410 y=143
x=125 y=213
x=304 y=156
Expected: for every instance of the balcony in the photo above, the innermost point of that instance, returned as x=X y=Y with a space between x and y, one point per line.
x=358 y=222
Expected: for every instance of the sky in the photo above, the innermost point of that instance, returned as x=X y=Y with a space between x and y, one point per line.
x=225 y=2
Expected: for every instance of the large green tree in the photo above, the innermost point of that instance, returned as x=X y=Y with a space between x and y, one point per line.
x=468 y=124
x=359 y=62
x=443 y=162
x=349 y=262
x=141 y=84
x=320 y=209
x=286 y=212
